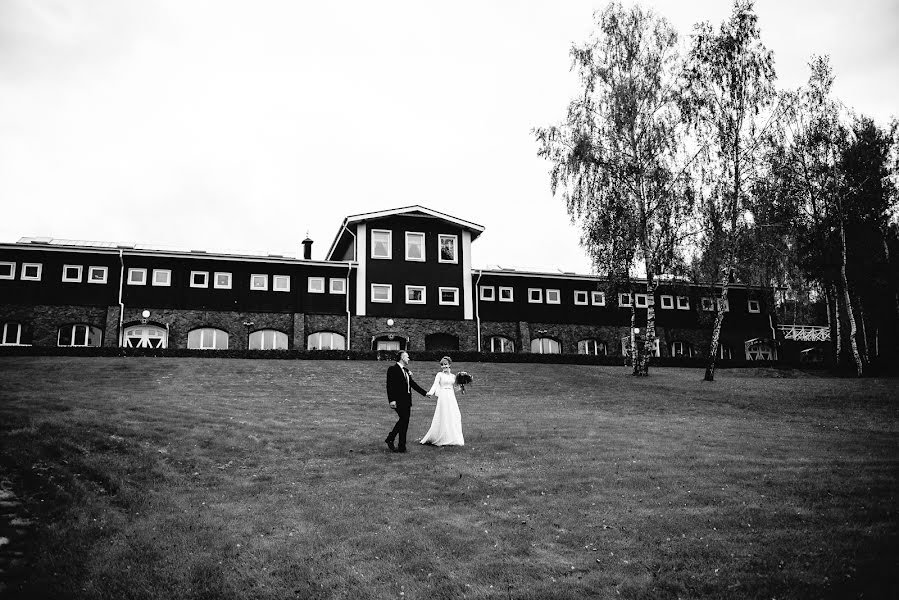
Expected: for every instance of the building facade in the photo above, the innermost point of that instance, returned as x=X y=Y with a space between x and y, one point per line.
x=394 y=279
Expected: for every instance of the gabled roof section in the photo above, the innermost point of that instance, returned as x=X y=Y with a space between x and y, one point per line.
x=416 y=211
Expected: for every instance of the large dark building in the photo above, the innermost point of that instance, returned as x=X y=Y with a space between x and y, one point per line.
x=392 y=279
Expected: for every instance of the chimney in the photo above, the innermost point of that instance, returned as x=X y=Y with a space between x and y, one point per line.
x=307 y=248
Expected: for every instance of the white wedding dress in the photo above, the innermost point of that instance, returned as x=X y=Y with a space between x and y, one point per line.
x=446 y=426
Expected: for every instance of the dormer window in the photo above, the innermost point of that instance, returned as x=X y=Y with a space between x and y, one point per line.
x=381 y=243
x=415 y=246
x=447 y=245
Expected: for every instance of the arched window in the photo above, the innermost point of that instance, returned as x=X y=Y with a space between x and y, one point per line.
x=79 y=334
x=268 y=339
x=545 y=346
x=593 y=347
x=681 y=349
x=757 y=349
x=388 y=342
x=14 y=335
x=325 y=340
x=499 y=343
x=145 y=336
x=207 y=338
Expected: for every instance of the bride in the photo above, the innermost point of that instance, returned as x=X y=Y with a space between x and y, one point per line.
x=446 y=427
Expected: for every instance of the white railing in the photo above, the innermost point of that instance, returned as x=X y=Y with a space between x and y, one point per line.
x=806 y=333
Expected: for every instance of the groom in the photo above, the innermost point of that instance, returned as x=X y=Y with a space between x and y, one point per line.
x=399 y=393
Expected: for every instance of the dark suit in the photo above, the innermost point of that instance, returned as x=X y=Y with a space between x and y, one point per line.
x=399 y=390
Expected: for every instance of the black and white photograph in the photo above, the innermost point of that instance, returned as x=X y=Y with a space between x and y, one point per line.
x=465 y=300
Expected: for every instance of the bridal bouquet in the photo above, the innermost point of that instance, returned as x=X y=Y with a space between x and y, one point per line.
x=462 y=378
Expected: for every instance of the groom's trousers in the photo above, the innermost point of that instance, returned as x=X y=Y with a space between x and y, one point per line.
x=399 y=430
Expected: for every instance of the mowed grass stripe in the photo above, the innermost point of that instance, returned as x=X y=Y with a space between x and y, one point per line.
x=200 y=478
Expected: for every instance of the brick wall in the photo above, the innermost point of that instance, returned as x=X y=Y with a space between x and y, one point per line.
x=365 y=328
x=181 y=322
x=42 y=322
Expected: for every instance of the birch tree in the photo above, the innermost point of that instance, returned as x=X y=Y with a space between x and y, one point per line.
x=729 y=83
x=618 y=155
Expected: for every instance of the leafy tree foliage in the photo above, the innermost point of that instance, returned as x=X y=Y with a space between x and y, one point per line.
x=619 y=154
x=729 y=84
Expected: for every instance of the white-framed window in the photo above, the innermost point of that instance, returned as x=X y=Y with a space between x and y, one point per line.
x=681 y=349
x=199 y=279
x=598 y=298
x=724 y=352
x=207 y=338
x=535 y=295
x=448 y=251
x=667 y=302
x=488 y=293
x=553 y=297
x=754 y=306
x=501 y=344
x=545 y=346
x=624 y=300
x=12 y=334
x=268 y=339
x=506 y=294
x=415 y=246
x=381 y=243
x=259 y=281
x=79 y=334
x=641 y=300
x=145 y=336
x=72 y=273
x=683 y=303
x=7 y=270
x=316 y=285
x=338 y=285
x=381 y=292
x=97 y=274
x=137 y=277
x=281 y=283
x=449 y=295
x=222 y=281
x=725 y=303
x=31 y=271
x=325 y=340
x=162 y=277
x=708 y=303
x=592 y=347
x=580 y=297
x=416 y=294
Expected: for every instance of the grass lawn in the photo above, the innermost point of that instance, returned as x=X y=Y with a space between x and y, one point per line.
x=211 y=478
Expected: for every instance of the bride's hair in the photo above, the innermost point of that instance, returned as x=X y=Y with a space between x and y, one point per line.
x=447 y=359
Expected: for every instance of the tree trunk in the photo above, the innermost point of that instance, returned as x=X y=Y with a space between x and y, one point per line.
x=838 y=325
x=866 y=358
x=847 y=301
x=716 y=333
x=641 y=366
x=634 y=346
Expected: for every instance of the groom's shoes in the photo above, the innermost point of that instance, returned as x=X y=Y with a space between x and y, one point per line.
x=400 y=450
x=390 y=445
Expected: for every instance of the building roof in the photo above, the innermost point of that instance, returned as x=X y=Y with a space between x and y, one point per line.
x=415 y=210
x=155 y=249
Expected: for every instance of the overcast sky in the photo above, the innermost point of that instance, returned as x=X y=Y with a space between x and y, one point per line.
x=238 y=124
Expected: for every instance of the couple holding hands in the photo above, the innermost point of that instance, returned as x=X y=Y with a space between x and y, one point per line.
x=446 y=426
